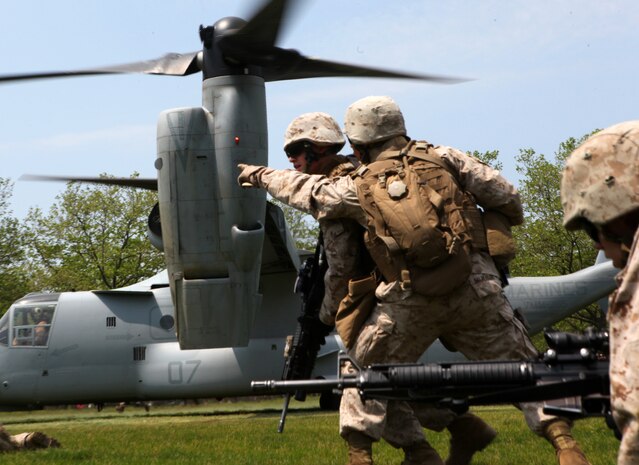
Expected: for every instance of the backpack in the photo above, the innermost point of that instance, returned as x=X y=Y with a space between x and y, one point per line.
x=417 y=228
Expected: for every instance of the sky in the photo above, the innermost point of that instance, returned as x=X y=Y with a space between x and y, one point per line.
x=540 y=72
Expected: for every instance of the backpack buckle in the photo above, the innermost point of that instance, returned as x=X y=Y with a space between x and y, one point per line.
x=381 y=179
x=405 y=280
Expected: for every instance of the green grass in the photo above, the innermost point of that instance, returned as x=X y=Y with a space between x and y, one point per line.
x=246 y=433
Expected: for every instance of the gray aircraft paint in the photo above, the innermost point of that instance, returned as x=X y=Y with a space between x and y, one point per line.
x=111 y=346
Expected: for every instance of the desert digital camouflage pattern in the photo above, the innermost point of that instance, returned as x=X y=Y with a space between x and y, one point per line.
x=344 y=249
x=476 y=319
x=322 y=197
x=623 y=314
x=599 y=187
x=326 y=198
x=25 y=441
x=317 y=127
x=341 y=237
x=601 y=183
x=317 y=195
x=373 y=119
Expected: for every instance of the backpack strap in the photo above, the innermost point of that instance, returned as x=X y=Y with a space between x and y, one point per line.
x=389 y=154
x=471 y=214
x=424 y=151
x=421 y=150
x=359 y=171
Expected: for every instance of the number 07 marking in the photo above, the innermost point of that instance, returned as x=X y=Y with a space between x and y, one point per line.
x=177 y=371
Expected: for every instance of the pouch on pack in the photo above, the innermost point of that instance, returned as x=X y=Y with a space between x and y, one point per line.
x=415 y=228
x=501 y=245
x=355 y=308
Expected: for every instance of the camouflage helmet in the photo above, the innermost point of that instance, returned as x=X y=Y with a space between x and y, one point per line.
x=318 y=128
x=601 y=177
x=373 y=119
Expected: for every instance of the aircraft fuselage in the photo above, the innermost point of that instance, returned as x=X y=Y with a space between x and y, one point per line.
x=113 y=346
x=121 y=346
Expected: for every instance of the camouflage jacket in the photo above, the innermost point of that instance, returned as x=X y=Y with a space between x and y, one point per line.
x=344 y=253
x=324 y=197
x=623 y=315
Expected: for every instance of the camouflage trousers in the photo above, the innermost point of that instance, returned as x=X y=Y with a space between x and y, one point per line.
x=476 y=319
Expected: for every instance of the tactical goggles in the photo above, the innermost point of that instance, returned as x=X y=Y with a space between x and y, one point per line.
x=297 y=148
x=591 y=230
x=594 y=232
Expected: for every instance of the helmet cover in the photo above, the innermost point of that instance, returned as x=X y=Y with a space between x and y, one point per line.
x=317 y=128
x=600 y=181
x=373 y=119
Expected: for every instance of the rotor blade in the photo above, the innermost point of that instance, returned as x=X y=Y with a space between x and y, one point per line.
x=140 y=183
x=171 y=64
x=302 y=67
x=264 y=27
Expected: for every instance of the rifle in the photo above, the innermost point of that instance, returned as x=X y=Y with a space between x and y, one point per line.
x=573 y=369
x=302 y=348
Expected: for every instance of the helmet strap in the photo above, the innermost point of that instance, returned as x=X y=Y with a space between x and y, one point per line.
x=311 y=156
x=364 y=152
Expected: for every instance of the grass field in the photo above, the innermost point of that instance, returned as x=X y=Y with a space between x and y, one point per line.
x=246 y=433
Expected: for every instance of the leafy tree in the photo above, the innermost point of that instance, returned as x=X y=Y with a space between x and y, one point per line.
x=94 y=237
x=545 y=248
x=490 y=157
x=303 y=227
x=13 y=277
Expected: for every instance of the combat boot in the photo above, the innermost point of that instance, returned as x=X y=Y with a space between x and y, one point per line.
x=360 y=448
x=468 y=434
x=421 y=453
x=560 y=436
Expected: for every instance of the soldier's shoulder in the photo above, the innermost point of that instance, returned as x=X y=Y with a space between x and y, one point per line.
x=446 y=150
x=343 y=165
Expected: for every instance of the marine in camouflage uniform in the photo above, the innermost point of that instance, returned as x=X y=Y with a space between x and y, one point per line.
x=311 y=143
x=476 y=317
x=347 y=259
x=25 y=441
x=600 y=194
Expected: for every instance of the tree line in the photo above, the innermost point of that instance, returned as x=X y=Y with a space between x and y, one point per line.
x=94 y=236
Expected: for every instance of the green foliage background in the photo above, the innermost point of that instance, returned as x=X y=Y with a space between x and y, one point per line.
x=14 y=281
x=93 y=237
x=303 y=227
x=546 y=248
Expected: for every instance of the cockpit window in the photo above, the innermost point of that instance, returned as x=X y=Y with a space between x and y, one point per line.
x=4 y=329
x=32 y=324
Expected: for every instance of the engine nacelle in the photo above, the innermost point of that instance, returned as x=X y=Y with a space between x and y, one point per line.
x=212 y=230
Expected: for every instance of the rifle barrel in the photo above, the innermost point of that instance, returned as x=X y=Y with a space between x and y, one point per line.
x=308 y=385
